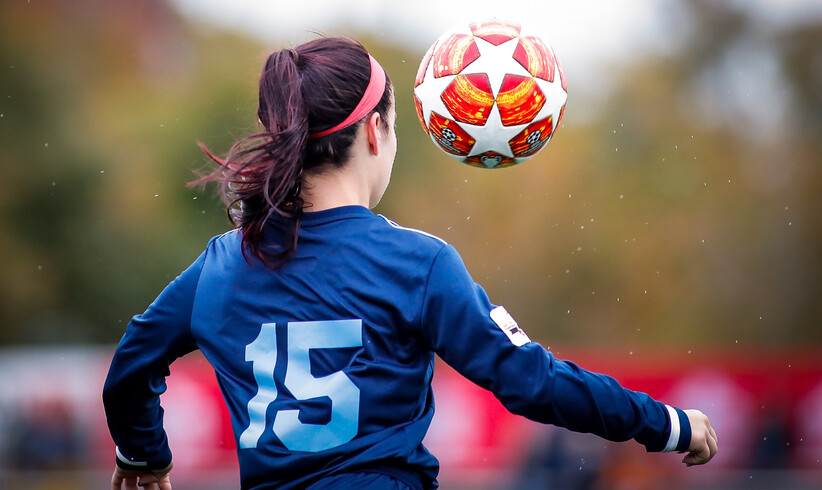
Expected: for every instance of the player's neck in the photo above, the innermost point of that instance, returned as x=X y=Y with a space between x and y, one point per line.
x=334 y=188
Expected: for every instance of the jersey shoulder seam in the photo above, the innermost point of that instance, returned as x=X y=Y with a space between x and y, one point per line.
x=394 y=225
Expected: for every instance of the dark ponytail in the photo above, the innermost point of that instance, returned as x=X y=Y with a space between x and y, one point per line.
x=302 y=91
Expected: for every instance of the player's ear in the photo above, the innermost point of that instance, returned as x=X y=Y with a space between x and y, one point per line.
x=372 y=131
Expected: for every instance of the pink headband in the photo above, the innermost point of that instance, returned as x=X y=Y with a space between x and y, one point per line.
x=370 y=99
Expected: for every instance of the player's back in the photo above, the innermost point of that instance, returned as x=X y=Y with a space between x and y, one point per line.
x=321 y=362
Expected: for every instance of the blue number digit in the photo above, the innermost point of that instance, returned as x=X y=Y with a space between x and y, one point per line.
x=344 y=394
x=262 y=354
x=338 y=387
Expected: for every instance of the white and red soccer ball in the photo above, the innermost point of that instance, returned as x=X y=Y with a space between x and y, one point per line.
x=490 y=94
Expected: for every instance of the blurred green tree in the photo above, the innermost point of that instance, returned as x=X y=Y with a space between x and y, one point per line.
x=681 y=209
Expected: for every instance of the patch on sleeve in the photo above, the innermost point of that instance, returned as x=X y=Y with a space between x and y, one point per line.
x=508 y=325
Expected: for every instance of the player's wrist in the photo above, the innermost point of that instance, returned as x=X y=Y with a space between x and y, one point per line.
x=131 y=463
x=679 y=438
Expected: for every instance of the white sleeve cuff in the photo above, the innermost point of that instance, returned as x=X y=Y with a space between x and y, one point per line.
x=128 y=461
x=673 y=438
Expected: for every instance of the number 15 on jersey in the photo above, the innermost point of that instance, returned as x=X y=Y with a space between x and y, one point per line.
x=344 y=394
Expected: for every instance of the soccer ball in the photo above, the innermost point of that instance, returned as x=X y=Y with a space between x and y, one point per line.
x=490 y=94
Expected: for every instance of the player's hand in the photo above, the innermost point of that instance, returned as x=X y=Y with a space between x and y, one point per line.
x=703 y=439
x=139 y=479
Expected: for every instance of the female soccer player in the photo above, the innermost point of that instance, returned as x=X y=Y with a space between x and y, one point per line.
x=321 y=319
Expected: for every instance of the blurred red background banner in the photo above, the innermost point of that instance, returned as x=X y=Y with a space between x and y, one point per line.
x=766 y=406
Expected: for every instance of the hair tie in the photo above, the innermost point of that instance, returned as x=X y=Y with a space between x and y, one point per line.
x=370 y=99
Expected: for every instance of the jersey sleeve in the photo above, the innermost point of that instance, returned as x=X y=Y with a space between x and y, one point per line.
x=136 y=377
x=483 y=343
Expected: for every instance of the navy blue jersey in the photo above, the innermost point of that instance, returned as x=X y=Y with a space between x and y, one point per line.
x=326 y=363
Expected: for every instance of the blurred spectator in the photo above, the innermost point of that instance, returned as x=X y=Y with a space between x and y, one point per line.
x=43 y=437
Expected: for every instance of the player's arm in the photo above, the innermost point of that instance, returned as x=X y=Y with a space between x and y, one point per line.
x=495 y=354
x=136 y=377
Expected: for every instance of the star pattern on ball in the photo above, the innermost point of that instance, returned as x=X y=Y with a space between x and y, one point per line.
x=492 y=136
x=495 y=62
